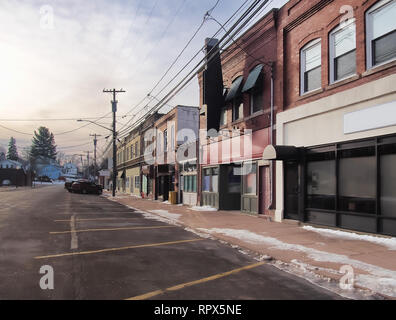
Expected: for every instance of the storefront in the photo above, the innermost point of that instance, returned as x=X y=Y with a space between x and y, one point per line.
x=221 y=186
x=147 y=181
x=165 y=181
x=349 y=185
x=189 y=183
x=337 y=160
x=133 y=181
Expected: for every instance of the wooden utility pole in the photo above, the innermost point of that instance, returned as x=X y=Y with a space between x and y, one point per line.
x=114 y=109
x=95 y=146
x=88 y=153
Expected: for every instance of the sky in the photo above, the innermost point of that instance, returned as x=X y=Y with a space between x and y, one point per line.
x=57 y=56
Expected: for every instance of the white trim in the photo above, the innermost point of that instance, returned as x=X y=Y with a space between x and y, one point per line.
x=303 y=64
x=369 y=34
x=332 y=55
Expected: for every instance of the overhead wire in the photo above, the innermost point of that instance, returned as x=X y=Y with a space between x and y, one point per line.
x=192 y=59
x=210 y=54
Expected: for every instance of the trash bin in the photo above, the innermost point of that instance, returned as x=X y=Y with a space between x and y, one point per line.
x=173 y=197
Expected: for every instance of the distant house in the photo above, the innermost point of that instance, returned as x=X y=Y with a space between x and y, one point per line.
x=10 y=164
x=46 y=167
x=70 y=171
x=14 y=173
x=51 y=171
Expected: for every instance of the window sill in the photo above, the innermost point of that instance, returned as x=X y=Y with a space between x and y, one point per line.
x=343 y=81
x=255 y=115
x=237 y=122
x=379 y=68
x=310 y=94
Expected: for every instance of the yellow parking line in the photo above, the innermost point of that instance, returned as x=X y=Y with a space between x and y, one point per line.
x=192 y=283
x=115 y=249
x=112 y=229
x=99 y=219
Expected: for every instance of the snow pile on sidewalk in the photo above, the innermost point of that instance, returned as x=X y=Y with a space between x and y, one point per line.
x=161 y=216
x=390 y=243
x=380 y=280
x=204 y=208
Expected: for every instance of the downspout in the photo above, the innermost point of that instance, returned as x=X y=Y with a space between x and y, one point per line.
x=272 y=137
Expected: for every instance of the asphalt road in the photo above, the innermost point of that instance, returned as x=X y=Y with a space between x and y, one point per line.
x=99 y=249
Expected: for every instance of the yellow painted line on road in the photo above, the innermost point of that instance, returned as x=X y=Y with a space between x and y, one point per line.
x=193 y=283
x=112 y=229
x=100 y=219
x=116 y=249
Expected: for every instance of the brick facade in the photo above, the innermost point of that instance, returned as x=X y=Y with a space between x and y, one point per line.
x=301 y=21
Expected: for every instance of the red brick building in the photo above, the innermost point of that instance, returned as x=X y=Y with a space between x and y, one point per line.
x=335 y=95
x=236 y=109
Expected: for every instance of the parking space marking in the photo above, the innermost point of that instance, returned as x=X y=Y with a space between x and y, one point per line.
x=116 y=249
x=112 y=229
x=99 y=219
x=74 y=238
x=196 y=282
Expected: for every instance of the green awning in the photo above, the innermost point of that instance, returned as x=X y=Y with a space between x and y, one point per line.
x=253 y=78
x=235 y=89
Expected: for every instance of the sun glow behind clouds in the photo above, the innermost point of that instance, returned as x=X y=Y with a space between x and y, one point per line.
x=60 y=72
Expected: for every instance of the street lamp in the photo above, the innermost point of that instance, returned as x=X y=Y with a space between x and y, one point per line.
x=113 y=131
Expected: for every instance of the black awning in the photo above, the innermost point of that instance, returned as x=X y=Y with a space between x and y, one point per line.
x=281 y=153
x=235 y=89
x=253 y=78
x=123 y=175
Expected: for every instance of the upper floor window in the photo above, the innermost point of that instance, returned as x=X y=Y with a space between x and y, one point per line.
x=311 y=66
x=234 y=95
x=381 y=33
x=137 y=148
x=237 y=109
x=172 y=138
x=223 y=117
x=165 y=140
x=254 y=85
x=342 y=52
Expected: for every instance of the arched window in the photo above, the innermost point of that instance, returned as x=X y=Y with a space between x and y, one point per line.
x=381 y=33
x=254 y=85
x=342 y=49
x=235 y=97
x=311 y=66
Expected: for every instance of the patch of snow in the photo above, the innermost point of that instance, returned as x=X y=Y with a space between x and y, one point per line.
x=166 y=214
x=307 y=272
x=390 y=243
x=204 y=208
x=384 y=276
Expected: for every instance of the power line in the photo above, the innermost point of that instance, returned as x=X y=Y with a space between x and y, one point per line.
x=180 y=54
x=192 y=59
x=55 y=134
x=59 y=119
x=209 y=57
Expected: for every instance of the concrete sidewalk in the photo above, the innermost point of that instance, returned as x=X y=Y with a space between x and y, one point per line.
x=317 y=254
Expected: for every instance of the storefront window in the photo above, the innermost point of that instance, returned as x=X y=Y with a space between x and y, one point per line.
x=357 y=180
x=250 y=181
x=190 y=183
x=321 y=181
x=210 y=182
x=388 y=180
x=234 y=180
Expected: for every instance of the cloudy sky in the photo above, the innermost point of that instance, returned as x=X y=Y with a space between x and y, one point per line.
x=56 y=57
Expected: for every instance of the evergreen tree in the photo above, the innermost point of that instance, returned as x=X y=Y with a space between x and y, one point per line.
x=43 y=144
x=2 y=153
x=12 y=150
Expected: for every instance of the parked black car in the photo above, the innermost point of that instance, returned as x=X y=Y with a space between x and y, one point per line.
x=86 y=187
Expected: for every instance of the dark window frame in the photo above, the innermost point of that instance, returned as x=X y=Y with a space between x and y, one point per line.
x=378 y=143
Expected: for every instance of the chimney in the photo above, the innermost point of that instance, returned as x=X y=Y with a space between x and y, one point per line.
x=213 y=85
